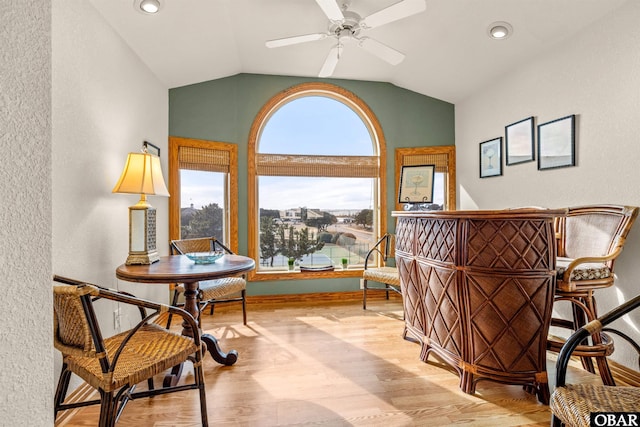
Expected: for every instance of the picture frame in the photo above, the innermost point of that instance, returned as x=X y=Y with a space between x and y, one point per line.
x=416 y=184
x=519 y=143
x=557 y=143
x=491 y=158
x=151 y=149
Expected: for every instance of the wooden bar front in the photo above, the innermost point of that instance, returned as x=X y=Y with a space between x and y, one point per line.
x=478 y=291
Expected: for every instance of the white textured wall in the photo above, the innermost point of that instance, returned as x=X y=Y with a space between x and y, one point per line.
x=26 y=355
x=106 y=102
x=596 y=76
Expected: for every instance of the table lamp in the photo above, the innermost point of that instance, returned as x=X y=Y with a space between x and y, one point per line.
x=142 y=175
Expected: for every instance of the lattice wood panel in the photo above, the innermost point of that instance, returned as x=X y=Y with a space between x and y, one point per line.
x=405 y=235
x=509 y=244
x=513 y=324
x=436 y=239
x=443 y=326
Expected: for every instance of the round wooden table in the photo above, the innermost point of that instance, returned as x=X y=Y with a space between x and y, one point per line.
x=180 y=269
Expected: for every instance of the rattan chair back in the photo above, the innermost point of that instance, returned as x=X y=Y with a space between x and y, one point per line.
x=73 y=332
x=211 y=292
x=594 y=231
x=200 y=244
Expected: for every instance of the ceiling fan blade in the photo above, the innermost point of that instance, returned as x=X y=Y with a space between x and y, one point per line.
x=331 y=61
x=382 y=51
x=331 y=9
x=392 y=13
x=295 y=40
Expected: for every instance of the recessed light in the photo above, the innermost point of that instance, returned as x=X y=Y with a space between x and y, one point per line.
x=147 y=6
x=500 y=30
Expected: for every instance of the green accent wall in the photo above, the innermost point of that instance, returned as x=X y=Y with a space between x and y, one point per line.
x=224 y=110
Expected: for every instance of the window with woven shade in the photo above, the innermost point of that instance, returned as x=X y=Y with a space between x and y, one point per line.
x=315 y=173
x=444 y=182
x=202 y=180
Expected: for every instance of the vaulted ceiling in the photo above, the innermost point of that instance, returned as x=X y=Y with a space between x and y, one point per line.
x=448 y=53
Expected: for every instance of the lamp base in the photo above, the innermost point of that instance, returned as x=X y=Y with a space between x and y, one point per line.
x=142 y=234
x=145 y=258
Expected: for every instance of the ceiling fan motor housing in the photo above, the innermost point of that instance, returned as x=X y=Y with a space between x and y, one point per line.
x=349 y=27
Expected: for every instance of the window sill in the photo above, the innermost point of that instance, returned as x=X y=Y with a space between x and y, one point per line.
x=303 y=275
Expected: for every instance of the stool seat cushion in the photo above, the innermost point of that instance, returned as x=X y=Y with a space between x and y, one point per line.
x=586 y=271
x=388 y=275
x=215 y=289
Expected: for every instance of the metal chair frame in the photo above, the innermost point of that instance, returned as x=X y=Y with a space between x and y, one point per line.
x=598 y=396
x=384 y=250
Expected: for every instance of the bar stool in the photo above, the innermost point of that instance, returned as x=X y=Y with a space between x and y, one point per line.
x=589 y=238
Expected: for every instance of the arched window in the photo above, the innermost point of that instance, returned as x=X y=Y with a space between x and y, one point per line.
x=316 y=183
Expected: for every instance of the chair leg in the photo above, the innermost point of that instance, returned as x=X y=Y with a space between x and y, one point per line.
x=556 y=422
x=174 y=303
x=580 y=318
x=199 y=379
x=364 y=294
x=108 y=406
x=61 y=390
x=244 y=306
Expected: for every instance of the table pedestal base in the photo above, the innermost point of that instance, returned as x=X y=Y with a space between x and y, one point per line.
x=192 y=306
x=218 y=355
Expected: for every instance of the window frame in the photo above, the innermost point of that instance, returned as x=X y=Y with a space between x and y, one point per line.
x=231 y=183
x=271 y=106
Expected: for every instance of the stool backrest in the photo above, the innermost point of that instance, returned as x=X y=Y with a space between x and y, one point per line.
x=596 y=230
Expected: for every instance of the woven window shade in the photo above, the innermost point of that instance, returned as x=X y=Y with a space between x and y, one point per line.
x=320 y=166
x=203 y=159
x=441 y=161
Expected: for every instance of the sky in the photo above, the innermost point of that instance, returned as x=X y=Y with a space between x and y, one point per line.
x=307 y=125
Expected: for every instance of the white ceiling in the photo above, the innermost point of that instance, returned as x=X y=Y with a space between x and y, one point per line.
x=449 y=55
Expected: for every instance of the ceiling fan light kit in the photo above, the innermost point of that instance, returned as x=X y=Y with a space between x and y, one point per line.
x=346 y=26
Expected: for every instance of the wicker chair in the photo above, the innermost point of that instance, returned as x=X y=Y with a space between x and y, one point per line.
x=572 y=404
x=115 y=365
x=384 y=274
x=590 y=238
x=211 y=291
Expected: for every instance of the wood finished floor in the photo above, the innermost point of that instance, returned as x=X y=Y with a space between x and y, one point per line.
x=327 y=364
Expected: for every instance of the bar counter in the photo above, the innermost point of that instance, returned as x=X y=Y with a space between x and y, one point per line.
x=478 y=291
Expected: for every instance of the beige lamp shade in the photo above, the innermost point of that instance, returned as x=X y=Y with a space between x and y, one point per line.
x=142 y=174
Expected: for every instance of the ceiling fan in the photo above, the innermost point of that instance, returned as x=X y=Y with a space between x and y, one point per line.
x=346 y=26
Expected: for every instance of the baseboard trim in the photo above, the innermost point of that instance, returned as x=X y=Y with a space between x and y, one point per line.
x=321 y=297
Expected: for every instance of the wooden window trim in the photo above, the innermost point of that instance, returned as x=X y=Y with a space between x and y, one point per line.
x=232 y=186
x=368 y=117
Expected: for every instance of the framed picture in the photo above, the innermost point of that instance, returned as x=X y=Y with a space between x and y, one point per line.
x=151 y=149
x=416 y=184
x=491 y=158
x=519 y=142
x=557 y=143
